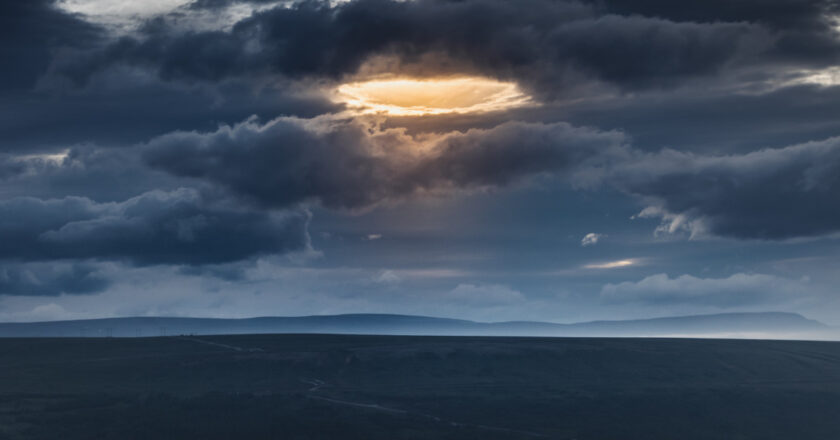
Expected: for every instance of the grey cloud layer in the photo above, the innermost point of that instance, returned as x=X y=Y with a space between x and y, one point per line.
x=767 y=194
x=50 y=279
x=734 y=291
x=546 y=47
x=271 y=169
x=806 y=30
x=30 y=32
x=178 y=227
x=345 y=164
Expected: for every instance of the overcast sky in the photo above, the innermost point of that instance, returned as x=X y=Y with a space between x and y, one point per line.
x=480 y=159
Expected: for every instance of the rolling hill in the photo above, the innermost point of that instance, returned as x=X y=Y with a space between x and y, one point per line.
x=768 y=325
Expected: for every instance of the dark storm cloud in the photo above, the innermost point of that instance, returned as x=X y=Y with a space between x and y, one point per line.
x=30 y=32
x=120 y=106
x=178 y=227
x=718 y=123
x=516 y=150
x=805 y=28
x=767 y=194
x=688 y=120
x=100 y=174
x=120 y=109
x=346 y=165
x=778 y=14
x=549 y=47
x=770 y=194
x=546 y=46
x=50 y=279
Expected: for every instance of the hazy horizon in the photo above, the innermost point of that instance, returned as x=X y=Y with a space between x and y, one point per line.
x=755 y=326
x=768 y=312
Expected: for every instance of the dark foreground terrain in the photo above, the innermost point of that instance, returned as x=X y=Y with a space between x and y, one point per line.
x=396 y=387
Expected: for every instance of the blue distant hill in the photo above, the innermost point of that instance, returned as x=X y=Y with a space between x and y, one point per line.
x=768 y=325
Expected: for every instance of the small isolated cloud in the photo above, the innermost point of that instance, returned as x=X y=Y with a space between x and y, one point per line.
x=485 y=294
x=737 y=290
x=591 y=239
x=372 y=237
x=612 y=264
x=387 y=277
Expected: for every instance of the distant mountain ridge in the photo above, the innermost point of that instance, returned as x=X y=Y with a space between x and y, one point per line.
x=744 y=325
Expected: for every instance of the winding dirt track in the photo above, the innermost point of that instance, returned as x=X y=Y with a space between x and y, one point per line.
x=318 y=384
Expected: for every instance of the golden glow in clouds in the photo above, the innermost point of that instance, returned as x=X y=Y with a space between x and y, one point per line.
x=612 y=264
x=417 y=97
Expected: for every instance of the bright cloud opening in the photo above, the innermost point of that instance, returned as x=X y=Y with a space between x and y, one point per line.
x=612 y=264
x=416 y=97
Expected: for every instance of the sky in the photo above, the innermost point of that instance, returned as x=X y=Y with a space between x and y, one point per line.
x=493 y=160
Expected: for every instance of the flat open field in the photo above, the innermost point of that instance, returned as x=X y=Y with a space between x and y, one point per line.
x=392 y=387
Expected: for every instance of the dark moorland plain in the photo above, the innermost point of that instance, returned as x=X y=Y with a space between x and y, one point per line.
x=410 y=387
